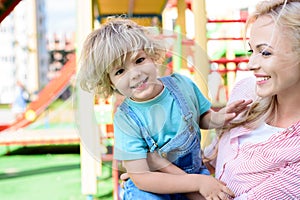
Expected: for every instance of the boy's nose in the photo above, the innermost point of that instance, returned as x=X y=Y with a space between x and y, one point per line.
x=134 y=73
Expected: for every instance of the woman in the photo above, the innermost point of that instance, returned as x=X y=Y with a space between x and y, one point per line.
x=258 y=155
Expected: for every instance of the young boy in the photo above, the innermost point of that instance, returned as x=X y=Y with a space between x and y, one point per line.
x=159 y=116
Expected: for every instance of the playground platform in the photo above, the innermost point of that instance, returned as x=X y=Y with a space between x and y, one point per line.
x=40 y=136
x=53 y=127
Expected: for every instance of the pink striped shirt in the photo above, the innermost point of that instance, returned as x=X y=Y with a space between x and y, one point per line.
x=264 y=170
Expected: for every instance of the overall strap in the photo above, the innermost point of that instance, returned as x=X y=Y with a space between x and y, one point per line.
x=178 y=96
x=128 y=111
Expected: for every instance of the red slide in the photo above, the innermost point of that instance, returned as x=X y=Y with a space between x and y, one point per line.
x=46 y=96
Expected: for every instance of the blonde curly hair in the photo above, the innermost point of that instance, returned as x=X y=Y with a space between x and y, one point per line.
x=108 y=47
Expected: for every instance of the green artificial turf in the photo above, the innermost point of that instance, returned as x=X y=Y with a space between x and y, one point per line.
x=47 y=172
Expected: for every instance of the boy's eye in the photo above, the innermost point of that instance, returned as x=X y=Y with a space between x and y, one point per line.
x=118 y=72
x=139 y=60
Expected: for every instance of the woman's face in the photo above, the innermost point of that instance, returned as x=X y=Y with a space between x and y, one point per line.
x=275 y=64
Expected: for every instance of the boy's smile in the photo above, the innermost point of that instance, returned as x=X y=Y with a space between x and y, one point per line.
x=140 y=85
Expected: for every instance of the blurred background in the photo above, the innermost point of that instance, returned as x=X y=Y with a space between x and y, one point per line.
x=42 y=153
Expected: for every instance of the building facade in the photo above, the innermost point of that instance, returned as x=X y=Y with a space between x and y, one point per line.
x=24 y=56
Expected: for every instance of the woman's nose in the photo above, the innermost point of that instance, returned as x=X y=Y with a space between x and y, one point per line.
x=253 y=63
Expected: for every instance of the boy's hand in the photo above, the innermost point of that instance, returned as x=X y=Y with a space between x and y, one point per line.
x=212 y=188
x=228 y=113
x=124 y=177
x=235 y=108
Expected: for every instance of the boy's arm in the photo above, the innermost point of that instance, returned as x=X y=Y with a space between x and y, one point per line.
x=158 y=163
x=212 y=119
x=154 y=181
x=166 y=183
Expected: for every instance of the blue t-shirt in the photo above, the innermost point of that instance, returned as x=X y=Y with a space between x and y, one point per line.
x=161 y=116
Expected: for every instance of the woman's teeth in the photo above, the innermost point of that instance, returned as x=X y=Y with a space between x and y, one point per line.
x=258 y=79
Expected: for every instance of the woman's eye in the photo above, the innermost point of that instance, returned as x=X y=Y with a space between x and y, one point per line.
x=118 y=72
x=265 y=53
x=139 y=60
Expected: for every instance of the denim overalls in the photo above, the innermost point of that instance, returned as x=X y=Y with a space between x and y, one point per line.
x=183 y=150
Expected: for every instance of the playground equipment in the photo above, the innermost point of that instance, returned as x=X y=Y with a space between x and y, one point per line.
x=233 y=57
x=141 y=11
x=45 y=97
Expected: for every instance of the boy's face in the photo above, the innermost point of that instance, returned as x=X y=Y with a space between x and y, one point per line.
x=137 y=78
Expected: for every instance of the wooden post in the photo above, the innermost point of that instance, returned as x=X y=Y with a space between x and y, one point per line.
x=181 y=7
x=201 y=58
x=180 y=30
x=89 y=134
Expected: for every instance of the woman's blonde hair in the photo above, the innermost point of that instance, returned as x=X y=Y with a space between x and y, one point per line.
x=285 y=14
x=108 y=47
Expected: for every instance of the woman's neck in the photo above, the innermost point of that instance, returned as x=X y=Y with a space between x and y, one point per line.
x=288 y=110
